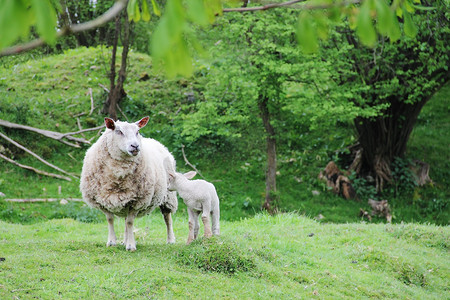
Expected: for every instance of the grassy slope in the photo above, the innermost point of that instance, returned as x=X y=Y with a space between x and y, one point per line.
x=292 y=257
x=49 y=93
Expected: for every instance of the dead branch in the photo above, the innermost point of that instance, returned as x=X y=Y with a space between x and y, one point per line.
x=79 y=126
x=35 y=155
x=50 y=134
x=118 y=107
x=42 y=200
x=189 y=164
x=289 y=3
x=33 y=169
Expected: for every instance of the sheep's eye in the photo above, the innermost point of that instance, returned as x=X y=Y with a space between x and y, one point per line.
x=137 y=133
x=119 y=132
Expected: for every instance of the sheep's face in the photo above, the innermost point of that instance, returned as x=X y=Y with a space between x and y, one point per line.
x=125 y=136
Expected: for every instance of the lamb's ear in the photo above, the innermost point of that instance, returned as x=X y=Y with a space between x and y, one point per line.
x=110 y=123
x=142 y=122
x=190 y=174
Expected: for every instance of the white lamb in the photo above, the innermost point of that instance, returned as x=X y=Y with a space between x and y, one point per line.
x=200 y=196
x=124 y=174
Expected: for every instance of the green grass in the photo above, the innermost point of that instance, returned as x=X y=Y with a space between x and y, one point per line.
x=284 y=257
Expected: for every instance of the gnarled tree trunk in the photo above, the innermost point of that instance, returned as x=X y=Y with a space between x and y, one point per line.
x=384 y=138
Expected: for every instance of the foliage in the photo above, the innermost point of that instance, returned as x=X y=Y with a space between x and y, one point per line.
x=173 y=40
x=294 y=257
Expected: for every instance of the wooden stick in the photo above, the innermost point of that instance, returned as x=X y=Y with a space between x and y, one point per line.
x=188 y=163
x=34 y=154
x=42 y=200
x=33 y=169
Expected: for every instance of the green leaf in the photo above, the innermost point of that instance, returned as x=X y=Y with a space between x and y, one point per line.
x=45 y=20
x=196 y=12
x=146 y=16
x=321 y=25
x=15 y=16
x=409 y=27
x=306 y=33
x=364 y=26
x=131 y=9
x=156 y=9
x=137 y=13
x=384 y=17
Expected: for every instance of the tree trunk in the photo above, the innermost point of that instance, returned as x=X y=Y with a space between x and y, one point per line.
x=383 y=139
x=271 y=188
x=116 y=91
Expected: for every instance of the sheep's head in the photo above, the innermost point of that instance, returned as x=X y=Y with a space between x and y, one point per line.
x=126 y=135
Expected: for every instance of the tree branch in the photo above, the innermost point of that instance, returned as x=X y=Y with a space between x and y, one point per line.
x=189 y=164
x=288 y=3
x=35 y=155
x=118 y=6
x=33 y=169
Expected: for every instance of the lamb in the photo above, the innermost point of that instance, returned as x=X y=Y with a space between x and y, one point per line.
x=200 y=196
x=124 y=174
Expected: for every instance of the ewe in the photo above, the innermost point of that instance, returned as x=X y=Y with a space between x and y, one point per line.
x=200 y=196
x=124 y=174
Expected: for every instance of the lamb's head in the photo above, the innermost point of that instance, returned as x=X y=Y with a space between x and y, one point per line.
x=125 y=136
x=175 y=179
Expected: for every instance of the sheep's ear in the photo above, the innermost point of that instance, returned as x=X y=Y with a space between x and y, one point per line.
x=142 y=122
x=110 y=123
x=190 y=174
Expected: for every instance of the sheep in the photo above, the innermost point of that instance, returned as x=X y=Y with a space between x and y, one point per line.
x=199 y=196
x=123 y=174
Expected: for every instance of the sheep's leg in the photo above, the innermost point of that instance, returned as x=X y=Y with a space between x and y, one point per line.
x=206 y=220
x=111 y=234
x=168 y=219
x=130 y=242
x=215 y=216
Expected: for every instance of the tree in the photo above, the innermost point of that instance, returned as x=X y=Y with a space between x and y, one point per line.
x=402 y=76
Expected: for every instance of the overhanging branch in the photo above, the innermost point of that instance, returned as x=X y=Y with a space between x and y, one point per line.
x=118 y=6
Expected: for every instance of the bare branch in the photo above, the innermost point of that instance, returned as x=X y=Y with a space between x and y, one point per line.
x=35 y=155
x=50 y=134
x=118 y=6
x=189 y=164
x=33 y=169
x=288 y=3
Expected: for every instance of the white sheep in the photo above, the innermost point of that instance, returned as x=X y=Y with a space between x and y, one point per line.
x=199 y=196
x=124 y=174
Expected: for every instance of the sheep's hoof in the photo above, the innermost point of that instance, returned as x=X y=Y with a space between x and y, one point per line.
x=131 y=248
x=110 y=243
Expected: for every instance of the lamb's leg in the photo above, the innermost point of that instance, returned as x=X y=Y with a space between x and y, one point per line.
x=191 y=235
x=215 y=216
x=111 y=234
x=130 y=242
x=168 y=219
x=196 y=224
x=206 y=220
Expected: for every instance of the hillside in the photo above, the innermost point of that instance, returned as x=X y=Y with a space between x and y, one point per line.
x=53 y=93
x=284 y=257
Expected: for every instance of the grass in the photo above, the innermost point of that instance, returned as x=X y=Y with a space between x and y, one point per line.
x=288 y=256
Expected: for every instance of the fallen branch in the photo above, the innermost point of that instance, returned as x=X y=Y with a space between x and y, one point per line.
x=33 y=169
x=50 y=134
x=35 y=155
x=189 y=164
x=43 y=200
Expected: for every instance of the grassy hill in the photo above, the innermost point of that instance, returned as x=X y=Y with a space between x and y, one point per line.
x=53 y=93
x=283 y=257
